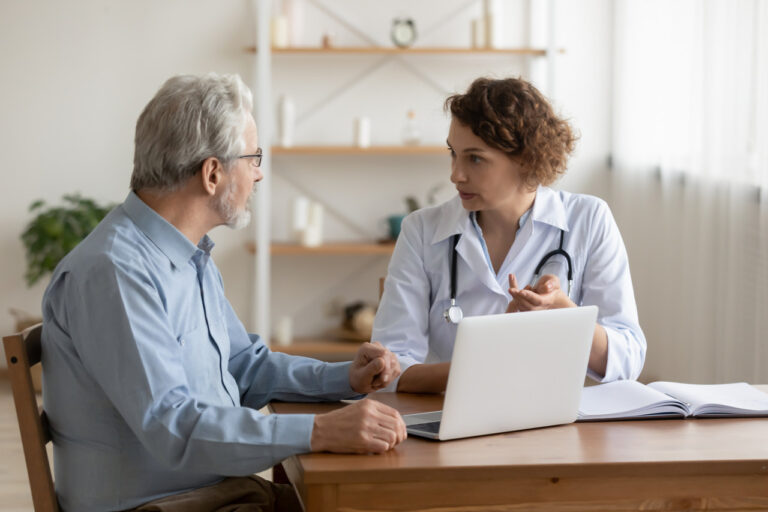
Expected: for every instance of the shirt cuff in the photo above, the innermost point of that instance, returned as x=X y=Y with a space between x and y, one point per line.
x=336 y=381
x=613 y=363
x=294 y=431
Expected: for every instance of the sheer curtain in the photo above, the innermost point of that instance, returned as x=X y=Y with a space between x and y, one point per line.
x=690 y=182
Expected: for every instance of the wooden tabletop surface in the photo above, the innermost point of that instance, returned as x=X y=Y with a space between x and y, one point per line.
x=693 y=446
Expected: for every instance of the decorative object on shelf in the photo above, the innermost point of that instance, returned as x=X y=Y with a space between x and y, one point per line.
x=395 y=221
x=287 y=121
x=327 y=41
x=403 y=32
x=279 y=31
x=300 y=217
x=478 y=33
x=358 y=320
x=313 y=234
x=411 y=132
x=362 y=132
x=488 y=24
x=284 y=330
x=294 y=11
x=55 y=231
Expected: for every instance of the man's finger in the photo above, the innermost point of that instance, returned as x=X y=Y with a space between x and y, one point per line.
x=370 y=351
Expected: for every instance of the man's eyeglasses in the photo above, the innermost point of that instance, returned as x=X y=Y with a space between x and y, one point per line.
x=255 y=158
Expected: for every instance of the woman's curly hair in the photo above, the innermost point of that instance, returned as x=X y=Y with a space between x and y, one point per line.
x=513 y=116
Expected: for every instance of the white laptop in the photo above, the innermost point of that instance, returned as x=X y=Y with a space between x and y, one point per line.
x=512 y=372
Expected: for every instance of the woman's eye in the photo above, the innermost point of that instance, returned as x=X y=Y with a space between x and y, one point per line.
x=452 y=152
x=475 y=159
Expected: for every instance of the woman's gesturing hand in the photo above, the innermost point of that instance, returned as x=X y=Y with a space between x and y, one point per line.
x=546 y=295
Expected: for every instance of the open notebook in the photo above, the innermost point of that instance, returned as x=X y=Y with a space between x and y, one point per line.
x=630 y=399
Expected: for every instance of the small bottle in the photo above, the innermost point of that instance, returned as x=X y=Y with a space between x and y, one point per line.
x=411 y=133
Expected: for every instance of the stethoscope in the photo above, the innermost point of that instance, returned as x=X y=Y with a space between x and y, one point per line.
x=454 y=314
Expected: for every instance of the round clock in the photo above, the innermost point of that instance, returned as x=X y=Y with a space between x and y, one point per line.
x=403 y=32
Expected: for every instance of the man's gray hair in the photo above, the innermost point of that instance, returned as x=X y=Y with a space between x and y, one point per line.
x=190 y=119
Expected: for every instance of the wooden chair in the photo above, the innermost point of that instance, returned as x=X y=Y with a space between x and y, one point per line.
x=22 y=351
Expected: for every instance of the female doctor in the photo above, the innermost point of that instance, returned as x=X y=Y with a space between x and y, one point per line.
x=495 y=240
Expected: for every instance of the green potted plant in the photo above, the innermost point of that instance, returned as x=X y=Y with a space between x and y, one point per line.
x=49 y=236
x=56 y=230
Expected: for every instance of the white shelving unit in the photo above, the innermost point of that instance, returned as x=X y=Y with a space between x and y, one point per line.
x=541 y=46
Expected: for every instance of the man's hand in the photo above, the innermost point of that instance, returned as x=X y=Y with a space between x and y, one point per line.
x=366 y=426
x=546 y=295
x=374 y=368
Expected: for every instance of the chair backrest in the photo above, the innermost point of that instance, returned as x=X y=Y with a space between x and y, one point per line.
x=22 y=351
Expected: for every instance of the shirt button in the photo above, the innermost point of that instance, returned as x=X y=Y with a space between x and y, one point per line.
x=181 y=342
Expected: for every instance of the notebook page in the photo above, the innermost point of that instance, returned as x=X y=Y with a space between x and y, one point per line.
x=626 y=399
x=718 y=399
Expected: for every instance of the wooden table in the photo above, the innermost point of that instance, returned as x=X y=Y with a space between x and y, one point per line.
x=708 y=464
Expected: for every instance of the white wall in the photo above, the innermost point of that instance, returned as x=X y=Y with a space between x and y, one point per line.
x=77 y=74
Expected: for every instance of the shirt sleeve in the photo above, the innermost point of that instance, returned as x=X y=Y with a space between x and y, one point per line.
x=607 y=284
x=263 y=375
x=402 y=320
x=122 y=334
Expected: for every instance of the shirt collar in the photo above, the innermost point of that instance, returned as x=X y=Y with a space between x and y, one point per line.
x=547 y=208
x=162 y=233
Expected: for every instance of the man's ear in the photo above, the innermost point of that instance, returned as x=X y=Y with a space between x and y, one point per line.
x=211 y=173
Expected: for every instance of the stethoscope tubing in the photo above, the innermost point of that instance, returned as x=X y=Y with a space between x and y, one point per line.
x=454 y=313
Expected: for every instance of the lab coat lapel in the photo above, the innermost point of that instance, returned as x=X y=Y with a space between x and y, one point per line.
x=456 y=220
x=471 y=252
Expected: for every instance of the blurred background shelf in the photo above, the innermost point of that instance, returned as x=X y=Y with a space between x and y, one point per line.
x=425 y=50
x=332 y=248
x=319 y=348
x=353 y=150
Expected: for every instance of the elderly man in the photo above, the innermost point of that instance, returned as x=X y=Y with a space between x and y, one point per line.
x=151 y=383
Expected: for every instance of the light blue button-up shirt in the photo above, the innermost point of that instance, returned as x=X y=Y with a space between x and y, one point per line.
x=150 y=382
x=410 y=320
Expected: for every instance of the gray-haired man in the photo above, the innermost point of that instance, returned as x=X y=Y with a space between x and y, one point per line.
x=151 y=383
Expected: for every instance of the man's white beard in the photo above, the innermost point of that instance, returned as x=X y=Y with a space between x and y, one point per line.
x=225 y=205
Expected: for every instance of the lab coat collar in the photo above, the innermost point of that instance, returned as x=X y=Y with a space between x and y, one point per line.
x=548 y=208
x=453 y=221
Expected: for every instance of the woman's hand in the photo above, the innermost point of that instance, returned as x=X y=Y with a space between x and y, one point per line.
x=546 y=295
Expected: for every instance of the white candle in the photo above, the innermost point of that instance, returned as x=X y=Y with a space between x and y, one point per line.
x=300 y=216
x=362 y=132
x=279 y=32
x=478 y=33
x=284 y=330
x=313 y=235
x=287 y=121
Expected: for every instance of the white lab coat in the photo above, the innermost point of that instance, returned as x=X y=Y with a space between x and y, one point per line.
x=417 y=288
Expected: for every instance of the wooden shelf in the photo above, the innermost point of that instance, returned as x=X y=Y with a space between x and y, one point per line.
x=323 y=349
x=423 y=50
x=331 y=248
x=353 y=150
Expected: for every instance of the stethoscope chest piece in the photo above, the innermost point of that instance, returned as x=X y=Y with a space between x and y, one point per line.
x=453 y=314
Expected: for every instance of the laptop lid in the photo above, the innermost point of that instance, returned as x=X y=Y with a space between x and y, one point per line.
x=517 y=371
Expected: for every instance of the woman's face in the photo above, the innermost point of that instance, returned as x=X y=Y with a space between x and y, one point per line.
x=486 y=177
